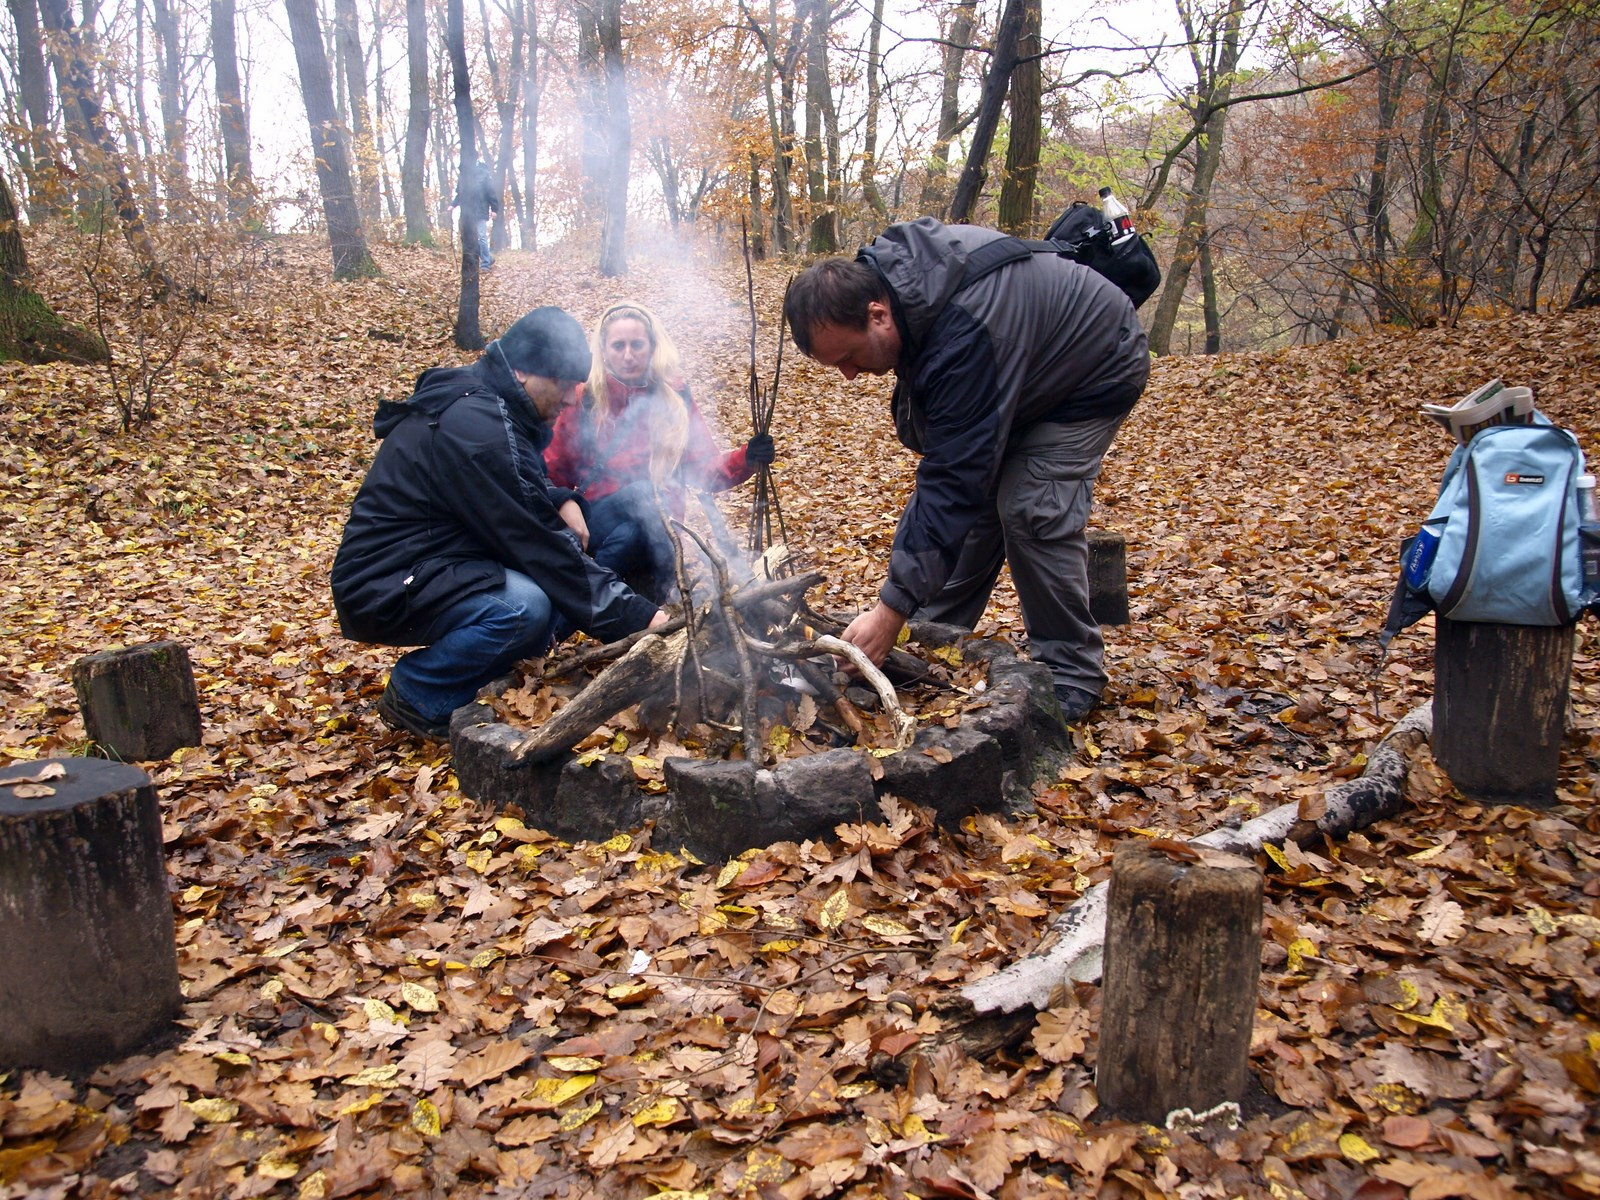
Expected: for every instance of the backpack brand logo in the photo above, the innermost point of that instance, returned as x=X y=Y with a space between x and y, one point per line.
x=1514 y=477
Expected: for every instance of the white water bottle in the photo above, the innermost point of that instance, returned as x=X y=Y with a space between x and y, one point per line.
x=1589 y=538
x=1116 y=215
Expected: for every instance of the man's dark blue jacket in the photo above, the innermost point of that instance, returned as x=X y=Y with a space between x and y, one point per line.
x=456 y=494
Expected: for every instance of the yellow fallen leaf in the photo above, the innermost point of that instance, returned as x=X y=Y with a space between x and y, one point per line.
x=314 y=1186
x=213 y=1109
x=271 y=1166
x=1299 y=950
x=377 y=1010
x=961 y=927
x=578 y=1116
x=731 y=870
x=835 y=908
x=779 y=946
x=558 y=1091
x=484 y=958
x=1541 y=920
x=622 y=842
x=510 y=825
x=619 y=743
x=884 y=926
x=425 y=1118
x=573 y=1062
x=373 y=1076
x=478 y=860
x=418 y=998
x=662 y=1111
x=1356 y=1149
x=370 y=1100
x=1276 y=854
x=527 y=857
x=949 y=655
x=232 y=1058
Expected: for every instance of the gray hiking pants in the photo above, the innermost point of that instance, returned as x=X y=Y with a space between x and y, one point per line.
x=1037 y=525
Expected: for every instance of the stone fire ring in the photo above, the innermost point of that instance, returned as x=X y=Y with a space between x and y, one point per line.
x=717 y=809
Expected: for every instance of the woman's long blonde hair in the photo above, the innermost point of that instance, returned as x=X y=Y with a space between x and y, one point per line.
x=668 y=415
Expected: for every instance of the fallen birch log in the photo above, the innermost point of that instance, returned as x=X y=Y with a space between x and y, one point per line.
x=998 y=1009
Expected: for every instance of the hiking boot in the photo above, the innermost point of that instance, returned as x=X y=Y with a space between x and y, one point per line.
x=1076 y=703
x=396 y=713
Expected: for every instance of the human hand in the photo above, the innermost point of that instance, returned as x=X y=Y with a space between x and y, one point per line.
x=875 y=631
x=572 y=513
x=760 y=450
x=661 y=618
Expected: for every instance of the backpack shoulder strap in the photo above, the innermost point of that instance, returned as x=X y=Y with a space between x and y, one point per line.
x=991 y=256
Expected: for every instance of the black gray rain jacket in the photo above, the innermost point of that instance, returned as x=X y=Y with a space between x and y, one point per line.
x=456 y=494
x=1042 y=339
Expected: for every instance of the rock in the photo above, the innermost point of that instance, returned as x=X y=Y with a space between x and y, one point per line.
x=480 y=748
x=597 y=799
x=713 y=809
x=961 y=776
x=807 y=797
x=935 y=633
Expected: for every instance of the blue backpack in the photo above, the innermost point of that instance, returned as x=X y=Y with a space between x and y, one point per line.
x=1506 y=529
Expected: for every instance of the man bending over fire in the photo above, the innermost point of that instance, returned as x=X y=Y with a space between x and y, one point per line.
x=636 y=434
x=457 y=542
x=1011 y=388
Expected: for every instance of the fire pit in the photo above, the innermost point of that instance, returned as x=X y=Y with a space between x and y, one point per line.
x=984 y=731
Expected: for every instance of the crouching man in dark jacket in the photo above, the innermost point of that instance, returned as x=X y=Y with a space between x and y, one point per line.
x=1011 y=384
x=458 y=543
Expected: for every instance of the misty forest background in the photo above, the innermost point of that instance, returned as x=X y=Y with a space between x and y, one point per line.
x=1305 y=170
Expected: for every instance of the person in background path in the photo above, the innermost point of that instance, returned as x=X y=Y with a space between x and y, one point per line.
x=482 y=182
x=638 y=432
x=1011 y=389
x=457 y=542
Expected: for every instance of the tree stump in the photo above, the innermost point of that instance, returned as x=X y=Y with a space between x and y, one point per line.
x=1182 y=958
x=139 y=703
x=86 y=926
x=1108 y=577
x=1500 y=708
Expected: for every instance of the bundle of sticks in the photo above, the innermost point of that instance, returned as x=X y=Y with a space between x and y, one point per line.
x=766 y=514
x=721 y=652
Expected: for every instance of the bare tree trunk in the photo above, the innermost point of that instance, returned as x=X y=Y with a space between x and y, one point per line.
x=75 y=84
x=414 y=167
x=1208 y=299
x=530 y=131
x=619 y=138
x=591 y=99
x=347 y=27
x=1191 y=234
x=1022 y=150
x=1006 y=41
x=346 y=239
x=44 y=191
x=504 y=90
x=869 y=149
x=758 y=243
x=469 y=335
x=962 y=22
x=170 y=66
x=824 y=228
x=231 y=115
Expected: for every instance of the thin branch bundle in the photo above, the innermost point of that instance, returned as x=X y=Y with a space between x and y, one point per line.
x=766 y=514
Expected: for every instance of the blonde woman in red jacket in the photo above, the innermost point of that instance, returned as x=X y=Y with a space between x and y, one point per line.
x=638 y=436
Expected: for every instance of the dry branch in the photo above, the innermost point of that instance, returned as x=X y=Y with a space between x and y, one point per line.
x=1000 y=1008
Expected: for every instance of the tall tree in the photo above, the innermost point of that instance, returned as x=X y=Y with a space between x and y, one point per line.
x=80 y=95
x=591 y=101
x=44 y=191
x=530 y=129
x=619 y=142
x=231 y=115
x=869 y=147
x=777 y=77
x=418 y=117
x=363 y=146
x=504 y=90
x=351 y=259
x=963 y=20
x=169 y=63
x=29 y=328
x=1027 y=117
x=819 y=162
x=1214 y=41
x=1004 y=60
x=469 y=333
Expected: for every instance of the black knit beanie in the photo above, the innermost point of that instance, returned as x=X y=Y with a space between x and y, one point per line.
x=547 y=342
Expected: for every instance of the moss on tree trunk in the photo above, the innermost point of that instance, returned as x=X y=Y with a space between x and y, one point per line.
x=30 y=331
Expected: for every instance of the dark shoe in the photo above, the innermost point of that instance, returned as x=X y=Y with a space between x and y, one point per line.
x=1076 y=703
x=394 y=712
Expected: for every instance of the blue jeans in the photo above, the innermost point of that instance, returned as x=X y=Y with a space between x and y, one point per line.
x=485 y=258
x=476 y=639
x=626 y=535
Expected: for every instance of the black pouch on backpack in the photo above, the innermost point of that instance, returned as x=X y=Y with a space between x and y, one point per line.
x=1085 y=236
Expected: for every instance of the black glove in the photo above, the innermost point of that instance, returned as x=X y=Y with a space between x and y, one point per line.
x=759 y=450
